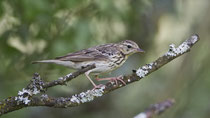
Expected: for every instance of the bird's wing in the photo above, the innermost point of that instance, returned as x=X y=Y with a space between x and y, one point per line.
x=89 y=54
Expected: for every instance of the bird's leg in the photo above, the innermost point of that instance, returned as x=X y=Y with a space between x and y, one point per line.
x=95 y=86
x=115 y=79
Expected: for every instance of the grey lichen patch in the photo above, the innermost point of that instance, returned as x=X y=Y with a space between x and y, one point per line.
x=194 y=38
x=64 y=78
x=60 y=78
x=25 y=100
x=150 y=65
x=35 y=87
x=183 y=48
x=23 y=96
x=69 y=75
x=143 y=71
x=172 y=52
x=87 y=96
x=35 y=91
x=24 y=91
x=44 y=96
x=75 y=99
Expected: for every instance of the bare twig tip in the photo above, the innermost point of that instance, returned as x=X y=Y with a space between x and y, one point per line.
x=194 y=38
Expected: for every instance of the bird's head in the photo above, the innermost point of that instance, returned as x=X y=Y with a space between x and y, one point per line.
x=129 y=47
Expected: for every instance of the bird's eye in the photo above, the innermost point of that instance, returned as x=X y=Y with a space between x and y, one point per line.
x=129 y=46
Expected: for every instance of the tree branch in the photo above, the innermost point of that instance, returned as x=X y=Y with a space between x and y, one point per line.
x=69 y=77
x=156 y=109
x=26 y=98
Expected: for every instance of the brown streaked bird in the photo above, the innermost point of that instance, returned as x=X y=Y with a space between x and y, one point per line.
x=106 y=58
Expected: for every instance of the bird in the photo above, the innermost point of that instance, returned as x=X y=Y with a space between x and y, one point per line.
x=105 y=57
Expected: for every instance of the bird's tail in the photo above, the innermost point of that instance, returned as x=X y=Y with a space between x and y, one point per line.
x=59 y=62
x=44 y=61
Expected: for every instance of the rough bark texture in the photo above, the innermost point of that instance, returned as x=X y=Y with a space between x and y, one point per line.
x=26 y=98
x=156 y=109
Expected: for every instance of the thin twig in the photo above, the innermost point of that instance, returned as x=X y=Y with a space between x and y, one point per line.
x=69 y=77
x=156 y=109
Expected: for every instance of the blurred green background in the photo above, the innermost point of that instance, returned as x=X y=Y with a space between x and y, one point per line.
x=43 y=29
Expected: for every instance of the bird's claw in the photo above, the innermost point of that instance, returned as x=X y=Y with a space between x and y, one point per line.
x=116 y=79
x=113 y=79
x=98 y=86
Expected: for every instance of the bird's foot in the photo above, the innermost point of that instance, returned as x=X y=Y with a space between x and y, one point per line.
x=113 y=79
x=98 y=86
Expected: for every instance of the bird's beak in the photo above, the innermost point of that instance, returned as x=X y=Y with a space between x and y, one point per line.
x=140 y=50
